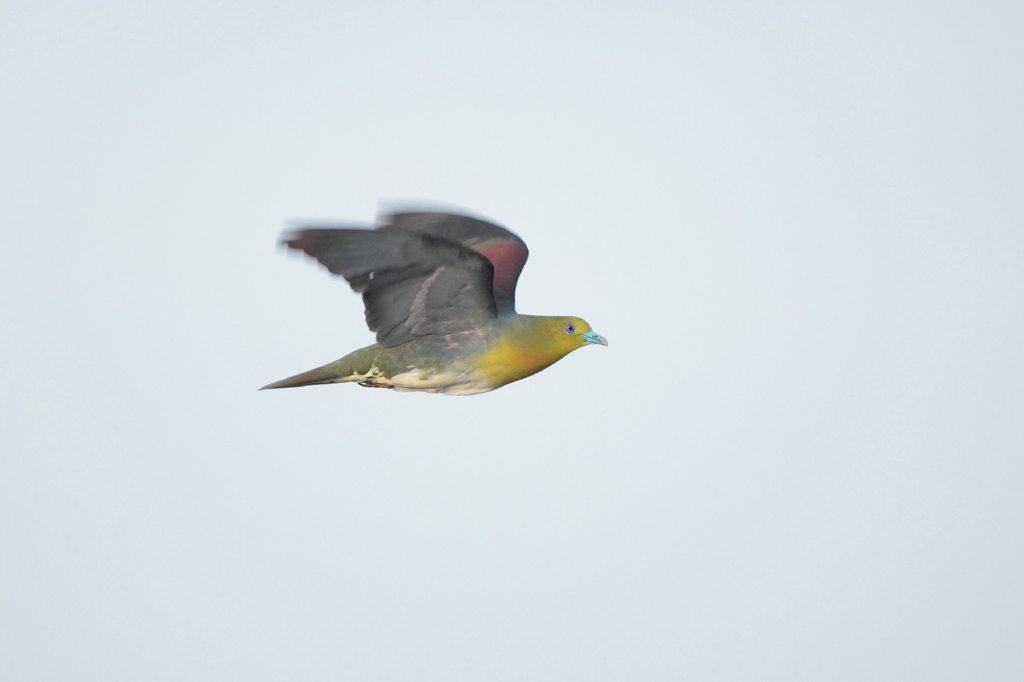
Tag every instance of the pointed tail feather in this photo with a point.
(353, 367)
(328, 374)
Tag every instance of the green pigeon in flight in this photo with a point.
(439, 291)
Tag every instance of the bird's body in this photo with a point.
(439, 290)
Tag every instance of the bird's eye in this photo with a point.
(569, 328)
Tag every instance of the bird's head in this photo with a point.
(566, 334)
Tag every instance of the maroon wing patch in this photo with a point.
(508, 258)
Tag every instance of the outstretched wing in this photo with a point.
(413, 283)
(506, 252)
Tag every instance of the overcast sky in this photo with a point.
(800, 227)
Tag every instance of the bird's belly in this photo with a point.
(452, 382)
(466, 383)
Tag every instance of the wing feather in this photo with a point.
(506, 251)
(413, 284)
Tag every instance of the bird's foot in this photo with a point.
(375, 384)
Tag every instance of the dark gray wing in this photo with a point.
(412, 284)
(506, 251)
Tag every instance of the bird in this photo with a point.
(439, 291)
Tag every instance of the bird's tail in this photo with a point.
(353, 367)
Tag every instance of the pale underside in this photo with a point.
(456, 382)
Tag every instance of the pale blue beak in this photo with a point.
(594, 337)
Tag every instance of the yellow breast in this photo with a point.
(509, 361)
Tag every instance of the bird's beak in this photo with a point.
(594, 337)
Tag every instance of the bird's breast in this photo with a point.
(509, 361)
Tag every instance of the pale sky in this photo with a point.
(800, 457)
